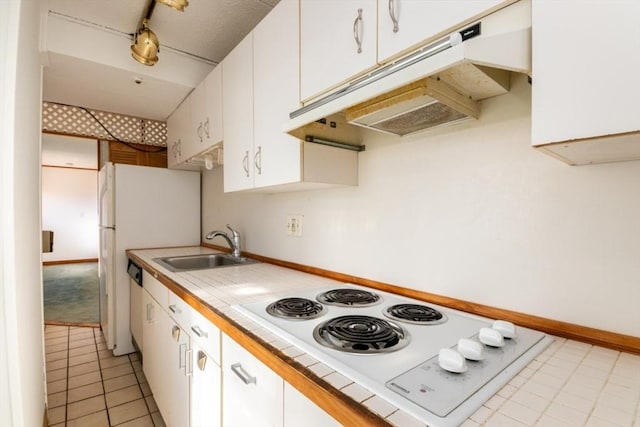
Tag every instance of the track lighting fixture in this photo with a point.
(176, 4)
(145, 46)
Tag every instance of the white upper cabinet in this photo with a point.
(586, 57)
(199, 121)
(260, 88)
(405, 24)
(178, 127)
(237, 105)
(338, 41)
(276, 47)
(213, 105)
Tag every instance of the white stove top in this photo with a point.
(410, 377)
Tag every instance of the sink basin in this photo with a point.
(201, 262)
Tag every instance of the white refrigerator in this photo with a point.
(140, 207)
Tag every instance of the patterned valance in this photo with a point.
(80, 121)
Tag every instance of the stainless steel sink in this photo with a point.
(201, 262)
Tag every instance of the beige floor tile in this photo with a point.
(157, 419)
(120, 382)
(50, 357)
(74, 330)
(83, 358)
(98, 419)
(114, 361)
(123, 395)
(78, 334)
(137, 365)
(58, 374)
(84, 392)
(146, 390)
(84, 368)
(85, 407)
(57, 399)
(84, 379)
(56, 364)
(101, 346)
(77, 351)
(141, 377)
(145, 421)
(56, 415)
(52, 348)
(117, 371)
(128, 411)
(134, 356)
(151, 404)
(55, 341)
(57, 386)
(81, 343)
(105, 354)
(57, 425)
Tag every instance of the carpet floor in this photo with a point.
(71, 294)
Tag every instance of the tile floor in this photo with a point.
(88, 386)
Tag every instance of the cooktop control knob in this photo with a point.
(491, 337)
(470, 349)
(452, 361)
(507, 329)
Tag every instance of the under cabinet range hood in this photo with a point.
(437, 85)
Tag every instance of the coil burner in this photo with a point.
(296, 309)
(361, 334)
(415, 313)
(349, 298)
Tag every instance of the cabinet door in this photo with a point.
(251, 392)
(418, 21)
(300, 411)
(173, 397)
(205, 389)
(585, 80)
(178, 126)
(237, 105)
(152, 341)
(196, 139)
(329, 35)
(276, 158)
(213, 98)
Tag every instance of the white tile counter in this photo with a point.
(569, 384)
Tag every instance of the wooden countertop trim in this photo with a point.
(613, 340)
(340, 406)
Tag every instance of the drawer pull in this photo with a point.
(174, 309)
(175, 333)
(242, 374)
(199, 332)
(202, 360)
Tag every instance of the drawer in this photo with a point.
(157, 290)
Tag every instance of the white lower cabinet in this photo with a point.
(300, 411)
(182, 372)
(252, 394)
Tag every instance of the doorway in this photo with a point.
(70, 219)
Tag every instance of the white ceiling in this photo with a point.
(88, 62)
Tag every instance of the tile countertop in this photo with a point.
(570, 384)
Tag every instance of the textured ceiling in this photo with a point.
(88, 62)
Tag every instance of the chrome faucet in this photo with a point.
(233, 241)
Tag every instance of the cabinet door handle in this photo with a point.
(257, 160)
(202, 360)
(199, 332)
(200, 132)
(174, 309)
(357, 30)
(175, 333)
(179, 148)
(392, 14)
(182, 353)
(206, 128)
(149, 312)
(189, 358)
(245, 163)
(242, 374)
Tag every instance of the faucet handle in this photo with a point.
(234, 233)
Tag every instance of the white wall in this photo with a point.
(471, 212)
(21, 342)
(70, 210)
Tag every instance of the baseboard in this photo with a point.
(70, 261)
(558, 328)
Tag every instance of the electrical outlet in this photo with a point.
(294, 225)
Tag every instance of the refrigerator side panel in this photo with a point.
(106, 271)
(154, 207)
